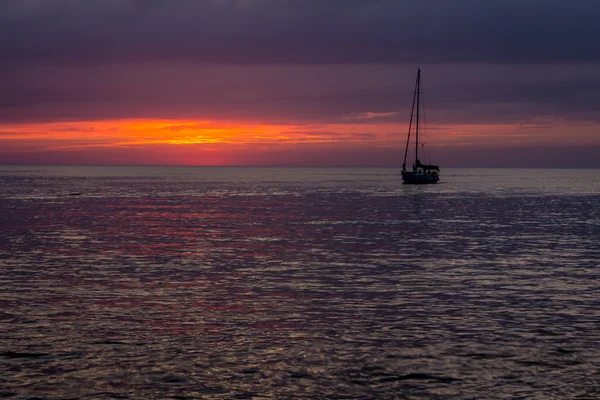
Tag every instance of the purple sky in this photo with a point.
(503, 64)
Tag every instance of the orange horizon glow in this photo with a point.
(139, 133)
(132, 132)
(208, 142)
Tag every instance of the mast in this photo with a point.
(412, 111)
(418, 91)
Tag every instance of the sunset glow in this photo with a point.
(295, 83)
(208, 142)
(131, 133)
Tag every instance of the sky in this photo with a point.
(506, 83)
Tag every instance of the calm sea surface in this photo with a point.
(298, 283)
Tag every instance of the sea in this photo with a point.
(298, 283)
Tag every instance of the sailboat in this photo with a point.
(421, 173)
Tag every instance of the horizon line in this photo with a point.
(273, 166)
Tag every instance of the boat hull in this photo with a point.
(415, 178)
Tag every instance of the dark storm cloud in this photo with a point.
(299, 31)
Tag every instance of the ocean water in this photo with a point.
(298, 283)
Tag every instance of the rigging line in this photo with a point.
(424, 108)
(417, 125)
(410, 124)
(424, 127)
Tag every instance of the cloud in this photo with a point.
(300, 94)
(301, 32)
(301, 62)
(370, 115)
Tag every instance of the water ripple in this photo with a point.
(296, 283)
